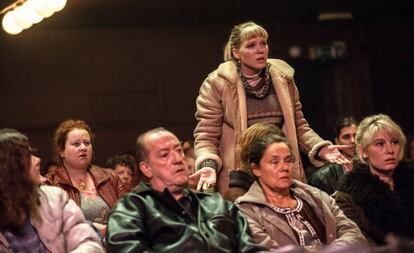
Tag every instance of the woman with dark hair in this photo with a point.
(94, 189)
(242, 178)
(378, 193)
(33, 218)
(283, 211)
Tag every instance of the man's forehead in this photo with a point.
(161, 140)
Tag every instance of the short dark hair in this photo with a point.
(124, 160)
(259, 145)
(344, 122)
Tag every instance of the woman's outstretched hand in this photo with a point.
(330, 153)
(203, 179)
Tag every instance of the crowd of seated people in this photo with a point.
(263, 210)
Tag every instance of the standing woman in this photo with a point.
(378, 193)
(93, 188)
(36, 218)
(249, 88)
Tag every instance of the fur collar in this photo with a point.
(389, 210)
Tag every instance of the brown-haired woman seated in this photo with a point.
(94, 189)
(379, 194)
(282, 211)
(32, 218)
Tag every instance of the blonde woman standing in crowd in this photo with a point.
(249, 88)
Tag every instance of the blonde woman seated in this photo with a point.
(282, 211)
(379, 194)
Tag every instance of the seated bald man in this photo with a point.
(166, 216)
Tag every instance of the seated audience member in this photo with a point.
(188, 148)
(36, 218)
(50, 167)
(241, 178)
(410, 148)
(378, 193)
(283, 211)
(165, 216)
(93, 188)
(327, 177)
(124, 165)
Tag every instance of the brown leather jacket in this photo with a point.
(107, 183)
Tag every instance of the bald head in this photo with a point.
(142, 142)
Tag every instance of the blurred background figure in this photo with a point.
(33, 218)
(410, 148)
(378, 193)
(94, 189)
(124, 165)
(188, 149)
(327, 177)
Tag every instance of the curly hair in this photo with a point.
(18, 194)
(61, 135)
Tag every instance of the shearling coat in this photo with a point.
(222, 117)
(271, 231)
(62, 227)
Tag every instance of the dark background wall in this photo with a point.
(126, 66)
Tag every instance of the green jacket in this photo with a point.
(145, 220)
(327, 177)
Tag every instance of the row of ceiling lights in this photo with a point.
(23, 14)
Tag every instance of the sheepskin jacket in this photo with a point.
(222, 117)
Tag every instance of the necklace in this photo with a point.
(82, 185)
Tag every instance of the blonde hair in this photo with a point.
(249, 135)
(240, 33)
(370, 126)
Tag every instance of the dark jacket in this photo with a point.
(107, 184)
(327, 177)
(376, 208)
(145, 220)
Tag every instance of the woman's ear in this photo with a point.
(362, 155)
(60, 153)
(255, 170)
(235, 53)
(146, 169)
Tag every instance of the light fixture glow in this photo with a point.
(41, 7)
(56, 5)
(9, 25)
(30, 13)
(20, 17)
